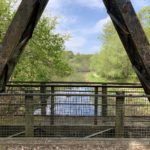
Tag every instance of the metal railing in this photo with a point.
(63, 109)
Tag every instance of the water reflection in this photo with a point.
(71, 105)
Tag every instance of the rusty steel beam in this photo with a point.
(133, 38)
(17, 36)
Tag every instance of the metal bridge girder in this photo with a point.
(122, 14)
(17, 36)
(133, 38)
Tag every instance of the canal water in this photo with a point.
(71, 105)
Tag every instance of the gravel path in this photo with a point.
(74, 144)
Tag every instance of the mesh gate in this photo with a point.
(74, 110)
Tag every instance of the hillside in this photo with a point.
(80, 64)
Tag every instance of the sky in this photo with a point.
(83, 20)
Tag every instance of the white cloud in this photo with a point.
(55, 5)
(94, 49)
(91, 3)
(65, 21)
(16, 4)
(79, 40)
(140, 3)
(99, 26)
(56, 8)
(76, 43)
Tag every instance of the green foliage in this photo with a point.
(144, 16)
(5, 17)
(80, 65)
(111, 63)
(43, 57)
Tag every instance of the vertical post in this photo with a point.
(96, 106)
(29, 118)
(119, 124)
(104, 100)
(52, 105)
(43, 99)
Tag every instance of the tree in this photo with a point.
(111, 63)
(144, 16)
(80, 66)
(5, 17)
(43, 57)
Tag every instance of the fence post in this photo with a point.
(104, 100)
(95, 105)
(119, 124)
(43, 99)
(29, 118)
(52, 105)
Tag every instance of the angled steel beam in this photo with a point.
(133, 38)
(17, 36)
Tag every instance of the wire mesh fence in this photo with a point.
(74, 110)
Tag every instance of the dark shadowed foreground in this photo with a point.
(74, 144)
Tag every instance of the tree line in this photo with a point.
(111, 63)
(43, 57)
(46, 58)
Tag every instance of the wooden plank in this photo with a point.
(16, 134)
(17, 36)
(43, 99)
(104, 100)
(19, 133)
(29, 118)
(96, 106)
(119, 123)
(133, 38)
(52, 106)
(98, 133)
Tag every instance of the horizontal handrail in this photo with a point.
(50, 94)
(74, 85)
(63, 82)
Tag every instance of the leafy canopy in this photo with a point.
(111, 63)
(43, 57)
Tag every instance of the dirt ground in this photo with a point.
(74, 144)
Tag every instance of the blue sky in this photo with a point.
(83, 20)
